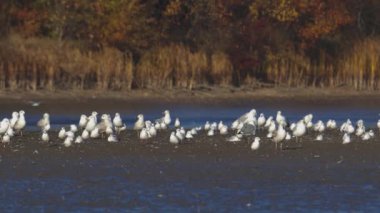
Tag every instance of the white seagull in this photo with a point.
(173, 138)
(255, 144)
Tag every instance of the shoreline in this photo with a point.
(279, 98)
(199, 93)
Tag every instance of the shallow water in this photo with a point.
(189, 183)
(193, 182)
(191, 116)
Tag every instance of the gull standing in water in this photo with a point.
(248, 128)
(280, 119)
(151, 129)
(189, 135)
(177, 123)
(249, 116)
(346, 138)
(21, 122)
(347, 127)
(173, 138)
(319, 137)
(95, 133)
(288, 136)
(62, 133)
(4, 125)
(70, 134)
(118, 123)
(92, 122)
(279, 136)
(14, 119)
(166, 119)
(331, 124)
(207, 126)
(223, 130)
(103, 124)
(308, 120)
(139, 124)
(299, 130)
(320, 128)
(271, 129)
(255, 144)
(85, 134)
(45, 137)
(78, 139)
(235, 138)
(268, 122)
(73, 128)
(179, 134)
(144, 134)
(210, 132)
(112, 139)
(83, 121)
(220, 125)
(68, 141)
(44, 122)
(6, 138)
(10, 131)
(360, 130)
(261, 121)
(366, 136)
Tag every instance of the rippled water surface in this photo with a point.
(147, 184)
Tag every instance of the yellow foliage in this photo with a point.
(173, 8)
(280, 10)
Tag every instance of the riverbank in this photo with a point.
(199, 93)
(108, 101)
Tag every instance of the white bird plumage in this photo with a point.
(255, 144)
(45, 137)
(173, 138)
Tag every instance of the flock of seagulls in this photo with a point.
(10, 127)
(276, 128)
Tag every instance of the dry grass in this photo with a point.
(357, 68)
(32, 64)
(171, 66)
(221, 69)
(360, 68)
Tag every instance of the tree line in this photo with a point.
(127, 44)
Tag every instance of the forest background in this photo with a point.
(149, 44)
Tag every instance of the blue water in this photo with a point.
(195, 116)
(192, 185)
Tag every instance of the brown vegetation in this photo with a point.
(32, 64)
(120, 45)
(358, 68)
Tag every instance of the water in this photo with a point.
(144, 183)
(196, 116)
(183, 185)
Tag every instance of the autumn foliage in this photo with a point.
(118, 45)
